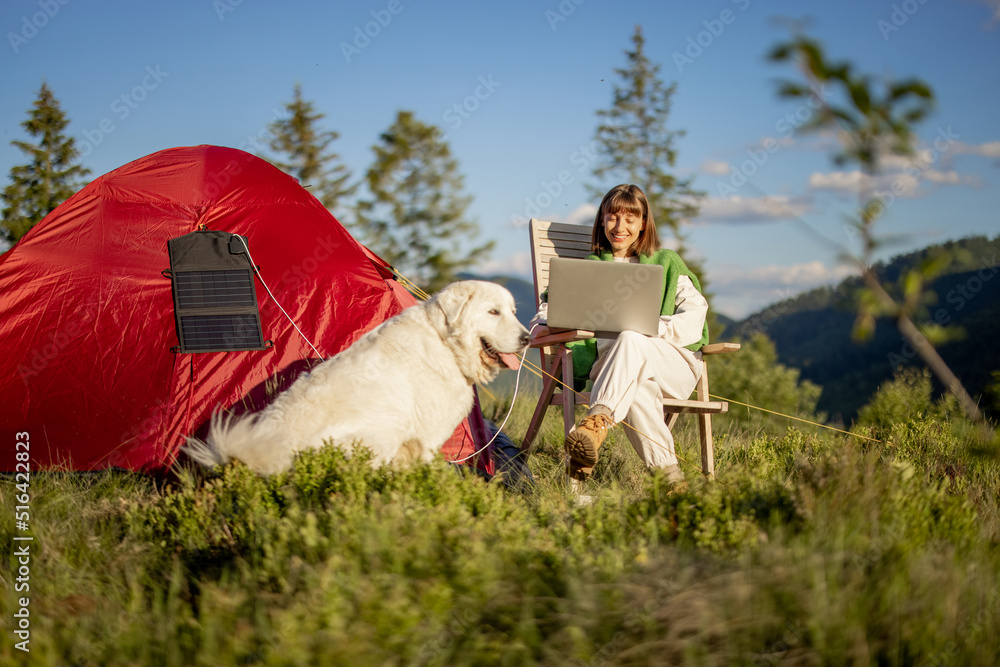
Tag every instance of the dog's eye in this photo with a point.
(494, 311)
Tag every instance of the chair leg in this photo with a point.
(705, 428)
(569, 396)
(549, 383)
(707, 448)
(671, 420)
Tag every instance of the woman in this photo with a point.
(632, 372)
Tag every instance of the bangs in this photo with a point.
(624, 202)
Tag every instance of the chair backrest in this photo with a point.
(555, 239)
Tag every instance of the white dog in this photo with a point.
(400, 390)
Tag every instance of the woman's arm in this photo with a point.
(542, 316)
(687, 324)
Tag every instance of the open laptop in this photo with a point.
(604, 297)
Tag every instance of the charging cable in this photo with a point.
(257, 271)
(517, 382)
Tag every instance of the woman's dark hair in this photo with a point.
(629, 200)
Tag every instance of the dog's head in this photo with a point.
(476, 320)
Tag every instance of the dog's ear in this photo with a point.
(452, 300)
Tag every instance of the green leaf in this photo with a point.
(860, 96)
(790, 89)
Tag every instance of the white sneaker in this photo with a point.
(581, 499)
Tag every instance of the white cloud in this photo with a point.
(839, 181)
(893, 161)
(805, 275)
(899, 184)
(715, 167)
(989, 149)
(752, 209)
(951, 177)
(903, 181)
(740, 291)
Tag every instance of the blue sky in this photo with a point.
(527, 79)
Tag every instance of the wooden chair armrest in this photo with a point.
(543, 336)
(719, 348)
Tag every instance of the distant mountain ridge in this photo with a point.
(812, 331)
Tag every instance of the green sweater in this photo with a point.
(585, 351)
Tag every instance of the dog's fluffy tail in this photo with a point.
(210, 453)
(230, 437)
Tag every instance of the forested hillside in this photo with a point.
(812, 332)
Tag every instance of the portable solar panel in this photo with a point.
(215, 303)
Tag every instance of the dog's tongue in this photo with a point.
(512, 361)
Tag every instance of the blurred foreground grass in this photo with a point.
(808, 549)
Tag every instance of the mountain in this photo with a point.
(812, 332)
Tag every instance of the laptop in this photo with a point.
(604, 297)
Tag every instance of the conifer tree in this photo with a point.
(635, 145)
(303, 152)
(416, 216)
(50, 177)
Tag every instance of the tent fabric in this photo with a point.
(87, 319)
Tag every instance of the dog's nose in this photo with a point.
(525, 339)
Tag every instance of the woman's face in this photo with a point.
(623, 230)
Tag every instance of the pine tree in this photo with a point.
(303, 147)
(635, 145)
(50, 178)
(416, 218)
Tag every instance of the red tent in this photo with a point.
(91, 367)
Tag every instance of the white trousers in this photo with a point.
(631, 376)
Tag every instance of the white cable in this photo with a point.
(257, 271)
(517, 382)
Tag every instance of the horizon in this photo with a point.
(515, 90)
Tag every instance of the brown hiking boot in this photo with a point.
(584, 441)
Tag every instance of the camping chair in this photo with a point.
(558, 239)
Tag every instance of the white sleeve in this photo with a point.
(541, 317)
(687, 324)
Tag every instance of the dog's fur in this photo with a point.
(400, 390)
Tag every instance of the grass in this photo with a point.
(808, 549)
